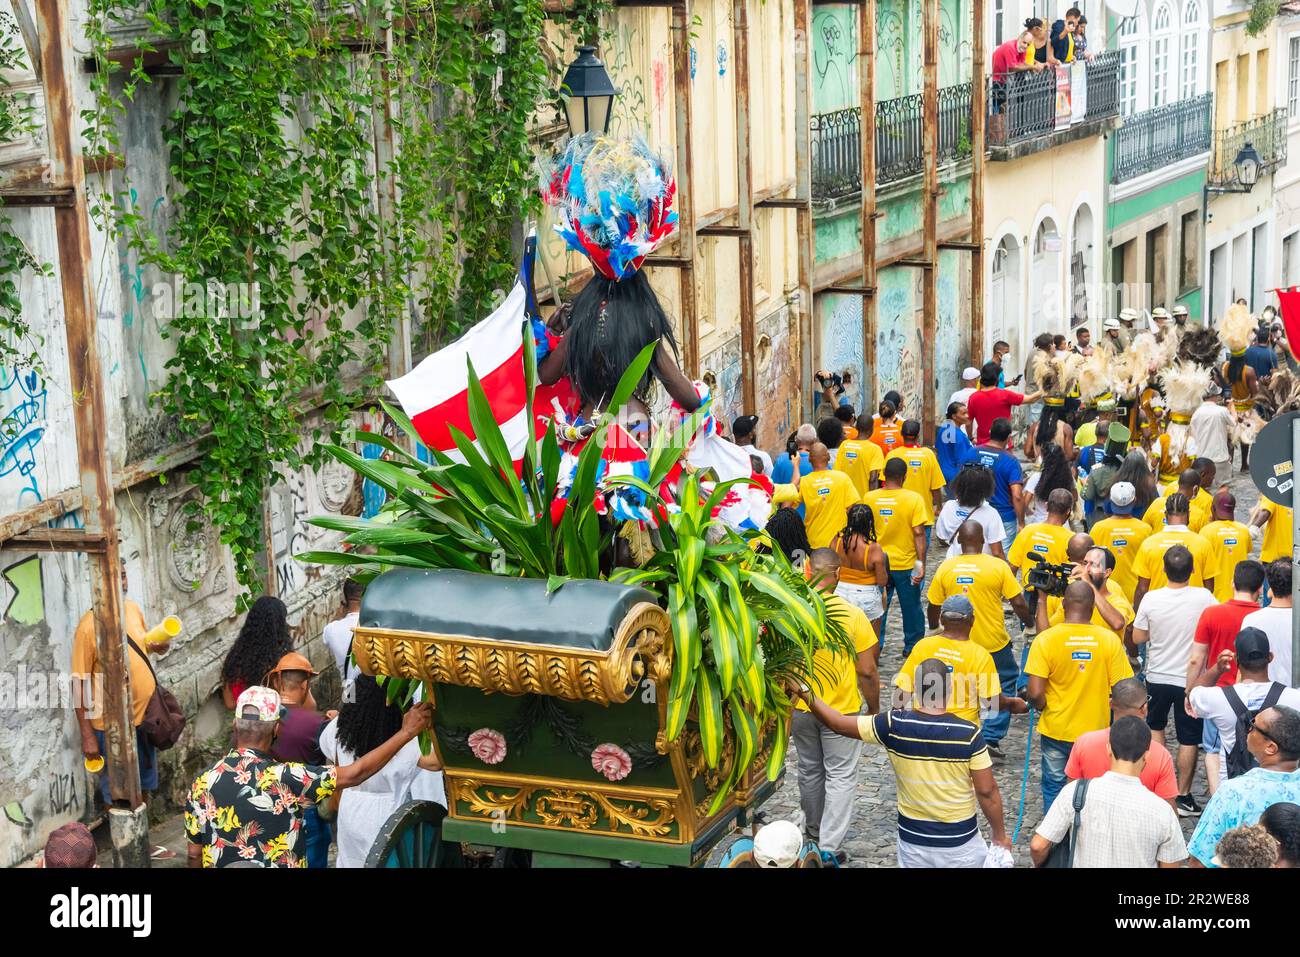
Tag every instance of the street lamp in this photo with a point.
(1247, 164)
(588, 93)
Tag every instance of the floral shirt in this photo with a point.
(248, 806)
(1241, 800)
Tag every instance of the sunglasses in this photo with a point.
(1252, 726)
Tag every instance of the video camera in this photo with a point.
(1048, 578)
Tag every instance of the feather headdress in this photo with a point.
(1094, 374)
(1131, 369)
(1236, 329)
(1040, 372)
(1200, 346)
(1065, 370)
(613, 199)
(1185, 385)
(1279, 392)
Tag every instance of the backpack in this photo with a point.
(1062, 854)
(1239, 759)
(163, 718)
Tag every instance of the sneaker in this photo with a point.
(995, 751)
(1187, 806)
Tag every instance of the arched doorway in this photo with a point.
(1004, 297)
(1045, 292)
(1082, 267)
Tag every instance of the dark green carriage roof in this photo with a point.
(582, 613)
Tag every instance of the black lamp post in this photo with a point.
(588, 93)
(1247, 164)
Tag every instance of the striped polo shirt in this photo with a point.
(933, 756)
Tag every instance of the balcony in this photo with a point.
(1161, 137)
(1267, 134)
(900, 147)
(1031, 112)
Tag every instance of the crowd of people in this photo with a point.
(1145, 598)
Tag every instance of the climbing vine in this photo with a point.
(292, 279)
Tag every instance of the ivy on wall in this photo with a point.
(275, 202)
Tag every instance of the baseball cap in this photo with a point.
(293, 661)
(958, 606)
(1122, 495)
(777, 845)
(969, 374)
(744, 424)
(264, 703)
(1110, 324)
(71, 845)
(1252, 646)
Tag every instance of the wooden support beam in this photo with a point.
(781, 203)
(979, 140)
(930, 208)
(31, 40)
(734, 232)
(59, 540)
(21, 196)
(865, 291)
(960, 245)
(805, 234)
(682, 115)
(867, 122)
(913, 262)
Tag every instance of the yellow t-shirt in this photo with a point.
(842, 693)
(1276, 540)
(1123, 535)
(1232, 542)
(1049, 541)
(1081, 664)
(897, 511)
(986, 581)
(1056, 610)
(923, 475)
(860, 459)
(1150, 561)
(85, 661)
(1199, 513)
(826, 497)
(974, 675)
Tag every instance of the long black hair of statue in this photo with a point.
(610, 324)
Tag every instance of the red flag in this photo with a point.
(1289, 305)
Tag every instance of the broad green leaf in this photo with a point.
(726, 656)
(690, 556)
(780, 744)
(708, 709)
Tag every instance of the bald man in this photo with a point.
(1072, 668)
(825, 494)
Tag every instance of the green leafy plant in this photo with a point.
(1262, 13)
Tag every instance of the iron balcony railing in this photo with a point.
(1266, 133)
(1023, 105)
(900, 146)
(1163, 136)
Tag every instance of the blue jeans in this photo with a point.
(1265, 599)
(317, 836)
(996, 725)
(1009, 532)
(146, 756)
(909, 597)
(1055, 755)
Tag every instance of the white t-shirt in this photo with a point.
(1212, 704)
(338, 639)
(961, 395)
(364, 808)
(1038, 511)
(1276, 623)
(1211, 429)
(1169, 616)
(762, 457)
(951, 517)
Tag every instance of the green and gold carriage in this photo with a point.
(549, 720)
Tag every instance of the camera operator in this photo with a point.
(1093, 565)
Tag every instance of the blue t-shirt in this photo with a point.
(783, 472)
(1261, 359)
(953, 450)
(1006, 472)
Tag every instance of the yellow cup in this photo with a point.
(164, 631)
(94, 765)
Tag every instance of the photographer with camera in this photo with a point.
(1072, 668)
(1046, 541)
(1087, 563)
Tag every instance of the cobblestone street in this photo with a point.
(871, 837)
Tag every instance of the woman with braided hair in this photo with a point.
(864, 569)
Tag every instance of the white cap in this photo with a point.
(969, 373)
(1122, 494)
(1110, 324)
(777, 845)
(1159, 312)
(1128, 315)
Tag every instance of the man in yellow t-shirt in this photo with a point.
(1072, 667)
(140, 687)
(1095, 565)
(1231, 540)
(861, 459)
(1046, 539)
(1189, 484)
(900, 530)
(826, 496)
(1276, 522)
(1150, 564)
(1123, 534)
(924, 476)
(828, 763)
(986, 581)
(975, 684)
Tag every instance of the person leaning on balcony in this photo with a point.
(1063, 36)
(1081, 51)
(1039, 55)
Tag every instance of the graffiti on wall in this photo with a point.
(834, 49)
(630, 114)
(22, 429)
(842, 338)
(27, 603)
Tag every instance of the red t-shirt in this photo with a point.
(1089, 759)
(1004, 58)
(1218, 628)
(985, 405)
